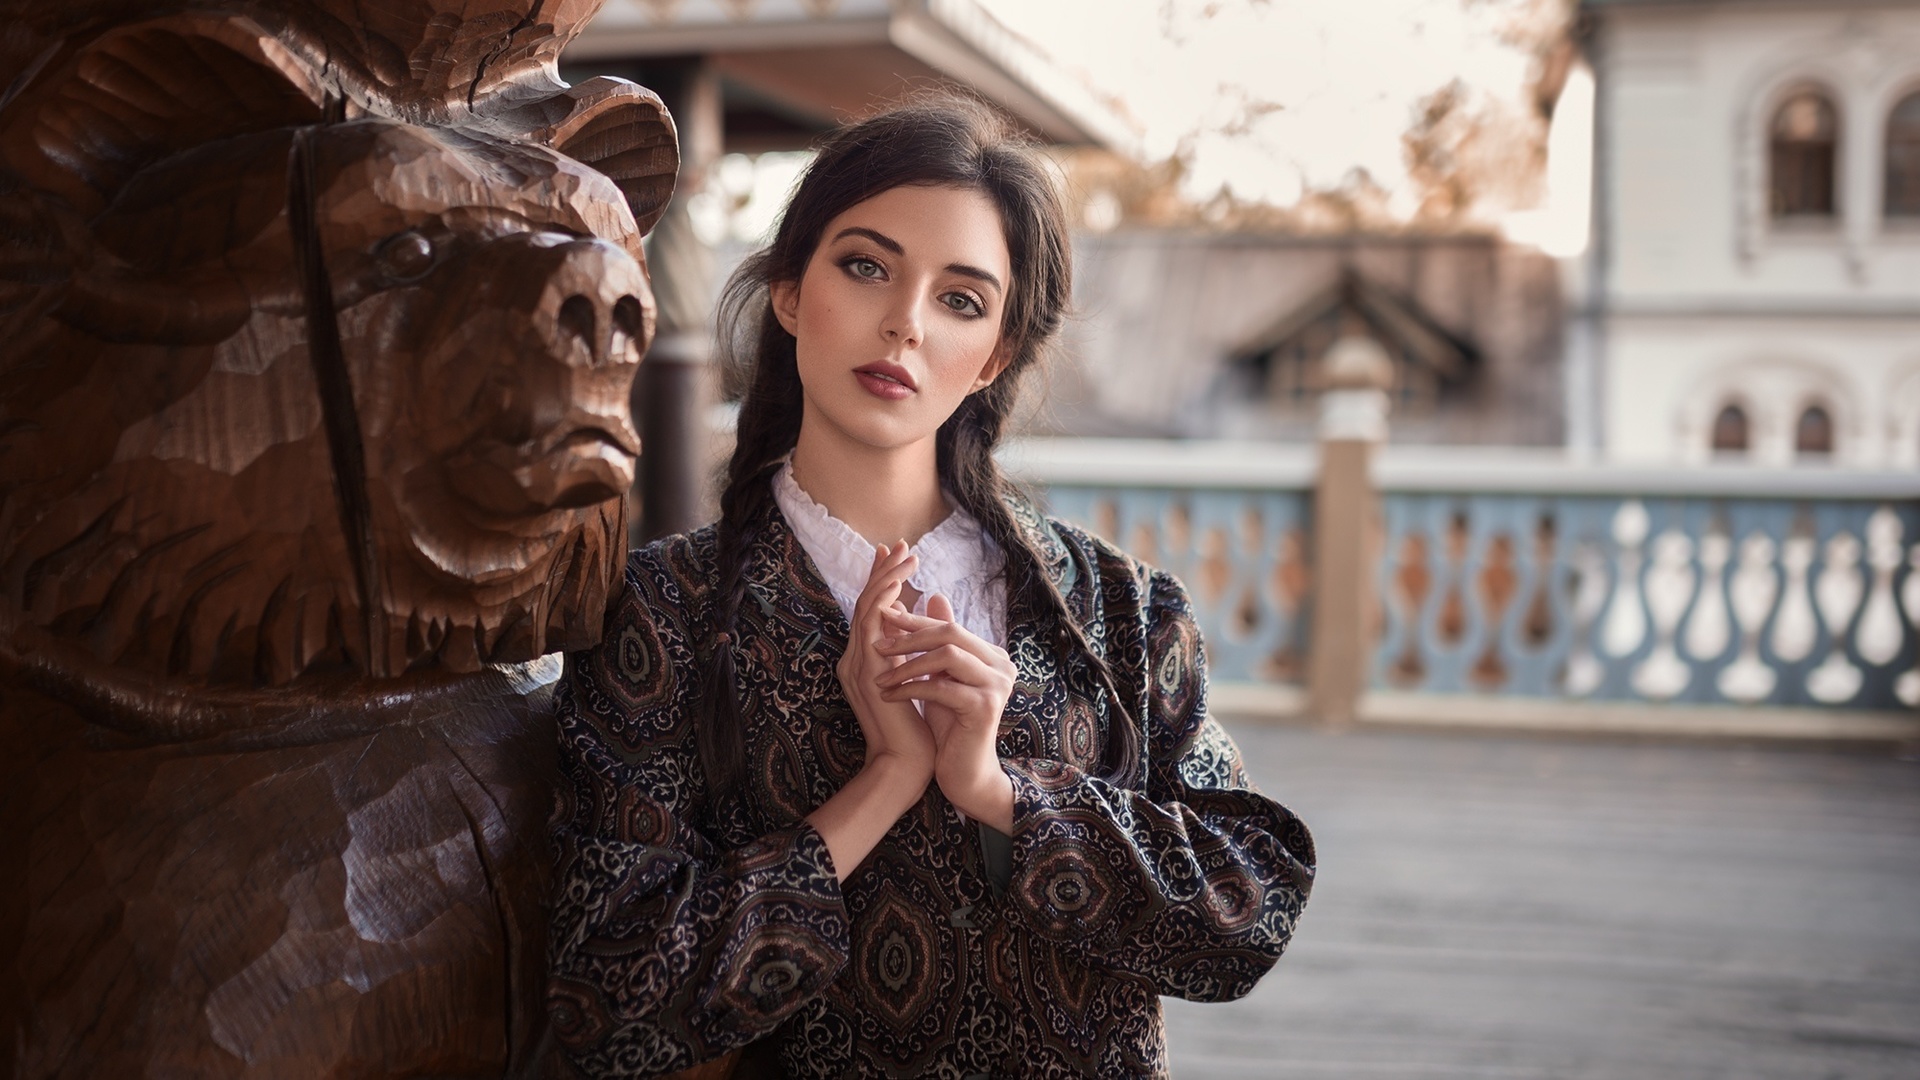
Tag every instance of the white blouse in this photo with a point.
(958, 560)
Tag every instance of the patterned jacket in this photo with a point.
(682, 930)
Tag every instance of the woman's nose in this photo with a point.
(904, 321)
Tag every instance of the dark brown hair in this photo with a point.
(936, 142)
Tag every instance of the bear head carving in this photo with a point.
(308, 371)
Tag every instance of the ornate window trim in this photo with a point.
(1744, 412)
(1897, 93)
(1753, 155)
(1804, 411)
(1797, 193)
(1773, 392)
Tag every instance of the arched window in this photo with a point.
(1804, 135)
(1730, 431)
(1903, 158)
(1814, 433)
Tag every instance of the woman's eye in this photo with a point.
(964, 304)
(865, 268)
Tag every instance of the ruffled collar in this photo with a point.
(957, 560)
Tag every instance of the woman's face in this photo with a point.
(897, 315)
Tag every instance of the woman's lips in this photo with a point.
(886, 381)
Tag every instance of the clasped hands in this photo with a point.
(895, 658)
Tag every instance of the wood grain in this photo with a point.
(318, 324)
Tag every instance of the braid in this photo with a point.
(971, 474)
(722, 747)
(768, 428)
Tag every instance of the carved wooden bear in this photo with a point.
(317, 329)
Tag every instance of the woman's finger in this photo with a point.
(883, 584)
(939, 607)
(947, 634)
(964, 700)
(949, 661)
(932, 638)
(908, 620)
(892, 563)
(887, 561)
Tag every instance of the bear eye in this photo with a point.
(405, 256)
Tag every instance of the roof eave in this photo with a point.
(956, 38)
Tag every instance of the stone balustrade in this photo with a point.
(1523, 575)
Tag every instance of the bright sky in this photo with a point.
(1268, 97)
(1345, 75)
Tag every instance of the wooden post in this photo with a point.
(670, 403)
(676, 385)
(1353, 420)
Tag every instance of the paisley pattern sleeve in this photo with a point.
(1192, 884)
(666, 949)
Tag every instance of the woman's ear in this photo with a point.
(997, 363)
(785, 296)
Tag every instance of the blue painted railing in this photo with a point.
(1531, 577)
(1241, 554)
(1695, 599)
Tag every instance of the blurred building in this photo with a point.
(1205, 334)
(1751, 292)
(1755, 290)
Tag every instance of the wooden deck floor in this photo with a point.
(1556, 907)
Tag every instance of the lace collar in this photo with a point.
(957, 560)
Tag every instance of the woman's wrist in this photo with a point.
(981, 790)
(897, 777)
(855, 819)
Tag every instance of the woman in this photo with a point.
(885, 769)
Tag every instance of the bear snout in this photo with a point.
(548, 422)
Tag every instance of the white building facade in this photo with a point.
(1755, 270)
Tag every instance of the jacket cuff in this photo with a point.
(791, 938)
(1067, 874)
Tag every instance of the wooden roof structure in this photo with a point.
(1397, 322)
(791, 69)
(1170, 328)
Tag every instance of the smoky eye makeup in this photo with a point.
(859, 264)
(972, 308)
(862, 267)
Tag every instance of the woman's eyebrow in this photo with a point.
(977, 274)
(880, 238)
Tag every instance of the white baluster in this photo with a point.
(1837, 592)
(1707, 628)
(1584, 669)
(1793, 628)
(1754, 588)
(1625, 624)
(1670, 583)
(1907, 686)
(1878, 639)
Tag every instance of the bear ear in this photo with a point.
(622, 130)
(96, 114)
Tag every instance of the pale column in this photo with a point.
(1353, 420)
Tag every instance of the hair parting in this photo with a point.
(944, 141)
